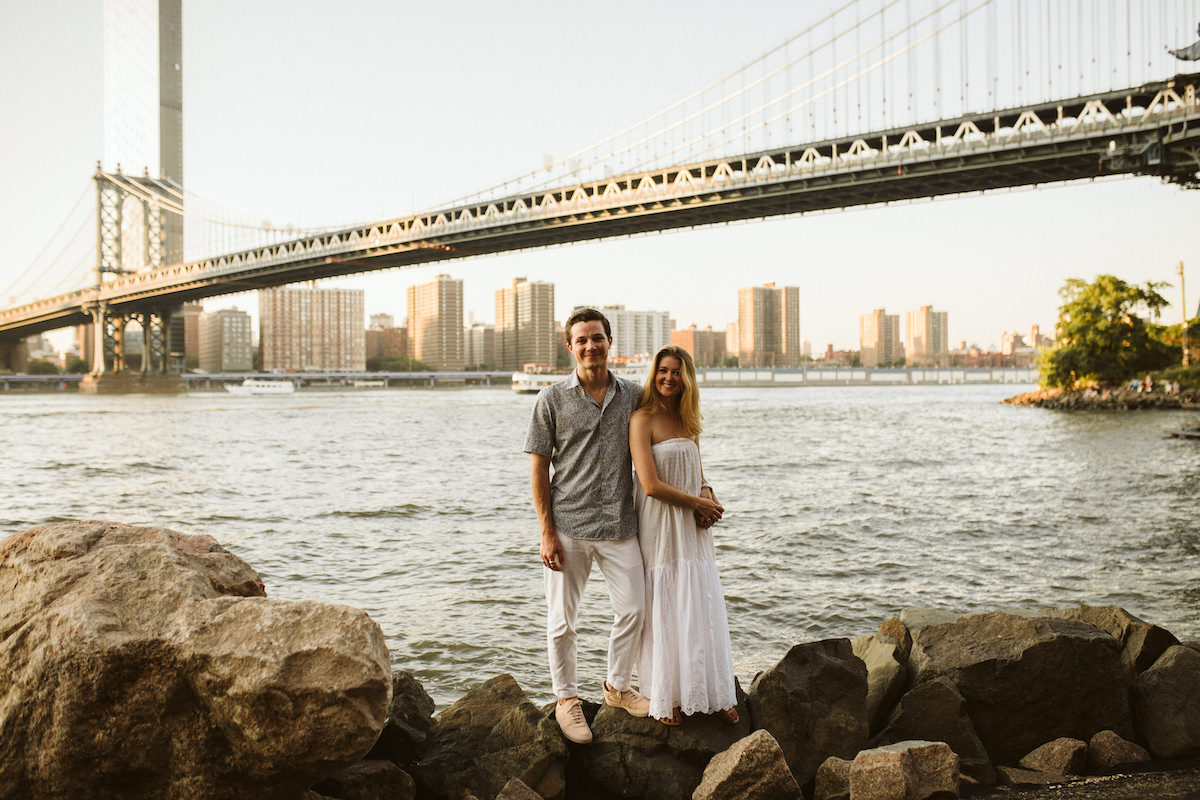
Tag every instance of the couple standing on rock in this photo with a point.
(668, 605)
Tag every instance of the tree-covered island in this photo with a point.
(1111, 350)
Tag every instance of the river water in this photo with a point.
(843, 506)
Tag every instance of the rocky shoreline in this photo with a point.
(1110, 399)
(139, 662)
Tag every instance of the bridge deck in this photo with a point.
(1150, 129)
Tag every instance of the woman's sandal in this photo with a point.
(730, 715)
(672, 721)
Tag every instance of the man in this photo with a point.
(585, 510)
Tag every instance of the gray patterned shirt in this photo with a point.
(591, 486)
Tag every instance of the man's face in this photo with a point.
(589, 344)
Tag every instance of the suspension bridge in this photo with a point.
(862, 100)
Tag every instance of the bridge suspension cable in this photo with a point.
(34, 279)
(876, 64)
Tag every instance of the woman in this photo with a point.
(685, 663)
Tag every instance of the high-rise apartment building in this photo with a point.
(769, 326)
(637, 333)
(381, 321)
(707, 347)
(224, 341)
(435, 323)
(879, 338)
(926, 340)
(385, 342)
(524, 331)
(305, 329)
(481, 346)
(191, 313)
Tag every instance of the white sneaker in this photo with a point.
(633, 701)
(572, 722)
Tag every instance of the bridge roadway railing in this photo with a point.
(1150, 129)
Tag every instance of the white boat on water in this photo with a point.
(261, 386)
(533, 381)
(536, 377)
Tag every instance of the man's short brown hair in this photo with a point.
(587, 315)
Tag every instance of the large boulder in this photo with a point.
(936, 711)
(491, 735)
(410, 716)
(635, 757)
(369, 780)
(141, 662)
(886, 676)
(1026, 680)
(1167, 703)
(833, 779)
(1107, 751)
(751, 767)
(905, 771)
(814, 702)
(1063, 756)
(1141, 642)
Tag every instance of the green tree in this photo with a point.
(76, 366)
(1105, 333)
(40, 366)
(396, 364)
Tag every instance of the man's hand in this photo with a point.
(552, 552)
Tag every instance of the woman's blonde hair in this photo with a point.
(689, 398)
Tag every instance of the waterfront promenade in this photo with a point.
(711, 376)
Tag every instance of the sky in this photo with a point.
(315, 114)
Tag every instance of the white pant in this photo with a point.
(621, 564)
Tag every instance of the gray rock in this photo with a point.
(1107, 751)
(833, 779)
(491, 735)
(369, 780)
(1063, 756)
(886, 676)
(141, 662)
(905, 771)
(1028, 681)
(814, 702)
(914, 619)
(751, 767)
(517, 790)
(410, 716)
(1012, 776)
(936, 711)
(634, 758)
(1167, 704)
(1141, 642)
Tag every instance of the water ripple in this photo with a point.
(843, 506)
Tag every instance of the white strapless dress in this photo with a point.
(685, 660)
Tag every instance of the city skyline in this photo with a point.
(996, 261)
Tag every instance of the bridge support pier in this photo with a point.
(14, 355)
(110, 374)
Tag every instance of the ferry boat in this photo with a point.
(535, 377)
(261, 386)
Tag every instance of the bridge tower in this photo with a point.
(143, 117)
(118, 196)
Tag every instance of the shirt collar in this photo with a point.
(573, 381)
